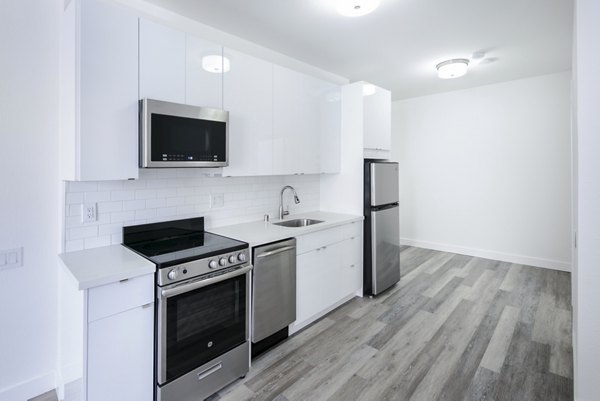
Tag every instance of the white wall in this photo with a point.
(486, 171)
(587, 114)
(29, 198)
(171, 194)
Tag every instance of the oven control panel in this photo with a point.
(200, 267)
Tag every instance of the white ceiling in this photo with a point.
(399, 44)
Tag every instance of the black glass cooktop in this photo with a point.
(178, 241)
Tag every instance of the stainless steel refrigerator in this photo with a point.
(382, 227)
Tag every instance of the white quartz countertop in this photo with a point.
(105, 265)
(258, 232)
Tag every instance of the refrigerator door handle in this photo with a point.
(384, 207)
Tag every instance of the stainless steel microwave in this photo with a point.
(180, 135)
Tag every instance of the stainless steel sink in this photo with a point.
(298, 223)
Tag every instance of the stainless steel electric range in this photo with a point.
(202, 308)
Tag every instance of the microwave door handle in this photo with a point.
(194, 285)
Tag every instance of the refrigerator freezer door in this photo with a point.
(384, 183)
(385, 245)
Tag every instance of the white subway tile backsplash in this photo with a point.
(178, 201)
(109, 229)
(169, 194)
(134, 205)
(109, 207)
(145, 194)
(75, 245)
(110, 185)
(82, 232)
(73, 198)
(166, 192)
(145, 214)
(74, 210)
(116, 238)
(156, 203)
(96, 242)
(122, 195)
(134, 184)
(166, 212)
(82, 186)
(122, 216)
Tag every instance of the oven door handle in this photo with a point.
(171, 292)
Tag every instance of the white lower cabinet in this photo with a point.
(107, 341)
(120, 356)
(329, 271)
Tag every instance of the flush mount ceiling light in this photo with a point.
(356, 8)
(368, 89)
(452, 68)
(215, 63)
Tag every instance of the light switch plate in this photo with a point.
(10, 258)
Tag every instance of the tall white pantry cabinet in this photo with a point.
(99, 92)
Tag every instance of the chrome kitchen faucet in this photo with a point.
(282, 212)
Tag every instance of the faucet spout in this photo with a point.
(282, 212)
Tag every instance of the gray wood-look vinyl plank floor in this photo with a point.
(455, 328)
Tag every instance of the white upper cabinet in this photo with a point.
(204, 73)
(377, 108)
(99, 95)
(162, 62)
(306, 123)
(296, 122)
(330, 129)
(248, 96)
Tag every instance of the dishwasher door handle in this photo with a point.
(276, 251)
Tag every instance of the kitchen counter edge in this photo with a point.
(258, 232)
(105, 265)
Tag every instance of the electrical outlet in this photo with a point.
(10, 258)
(217, 200)
(88, 212)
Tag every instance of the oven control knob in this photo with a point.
(172, 275)
(242, 257)
(223, 262)
(232, 259)
(212, 264)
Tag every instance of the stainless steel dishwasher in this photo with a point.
(273, 293)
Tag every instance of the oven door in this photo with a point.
(200, 320)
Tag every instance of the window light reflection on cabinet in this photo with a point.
(368, 89)
(215, 63)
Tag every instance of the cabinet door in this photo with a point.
(162, 62)
(378, 119)
(108, 119)
(248, 96)
(330, 129)
(351, 265)
(120, 356)
(296, 122)
(313, 283)
(204, 73)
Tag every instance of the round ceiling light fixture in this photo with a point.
(215, 63)
(454, 68)
(356, 8)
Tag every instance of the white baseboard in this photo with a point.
(28, 389)
(487, 254)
